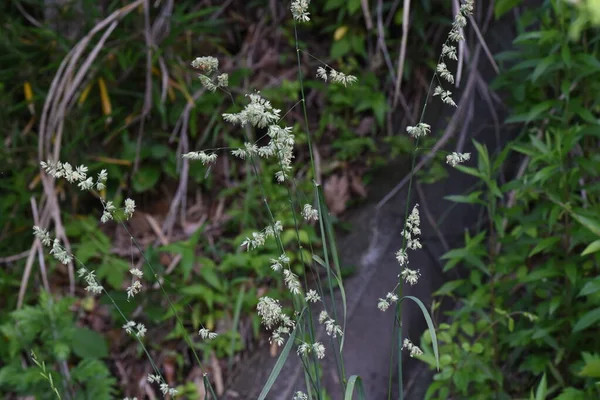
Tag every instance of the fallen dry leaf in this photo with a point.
(337, 193)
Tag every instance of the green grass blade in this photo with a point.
(354, 381)
(208, 388)
(279, 365)
(430, 327)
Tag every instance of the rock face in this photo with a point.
(375, 237)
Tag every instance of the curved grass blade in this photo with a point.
(280, 362)
(430, 327)
(354, 380)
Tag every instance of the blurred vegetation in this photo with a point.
(529, 305)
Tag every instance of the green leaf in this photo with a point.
(544, 244)
(591, 368)
(280, 362)
(88, 344)
(542, 389)
(354, 380)
(590, 287)
(472, 198)
(146, 178)
(588, 319)
(591, 248)
(449, 287)
(501, 7)
(430, 327)
(591, 224)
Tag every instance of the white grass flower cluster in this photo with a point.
(59, 252)
(305, 349)
(299, 10)
(309, 213)
(278, 263)
(335, 76)
(312, 296)
(331, 328)
(422, 129)
(202, 156)
(90, 278)
(449, 51)
(272, 315)
(445, 95)
(207, 334)
(131, 327)
(79, 175)
(136, 284)
(414, 350)
(411, 229)
(457, 158)
(208, 65)
(258, 238)
(384, 304)
(300, 396)
(164, 388)
(291, 281)
(258, 113)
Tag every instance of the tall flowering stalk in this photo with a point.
(411, 231)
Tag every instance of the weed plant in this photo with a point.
(313, 301)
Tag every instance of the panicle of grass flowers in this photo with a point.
(300, 396)
(457, 158)
(309, 213)
(135, 288)
(336, 76)
(207, 83)
(207, 64)
(312, 296)
(305, 349)
(129, 208)
(107, 214)
(207, 334)
(101, 182)
(414, 350)
(277, 263)
(422, 129)
(164, 387)
(444, 72)
(330, 326)
(259, 113)
(449, 51)
(131, 327)
(202, 156)
(60, 253)
(445, 95)
(43, 235)
(384, 304)
(410, 276)
(291, 281)
(272, 315)
(90, 278)
(299, 10)
(222, 80)
(258, 238)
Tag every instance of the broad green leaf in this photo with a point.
(87, 343)
(591, 368)
(542, 389)
(592, 224)
(591, 248)
(590, 318)
(449, 287)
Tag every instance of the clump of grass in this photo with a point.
(299, 329)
